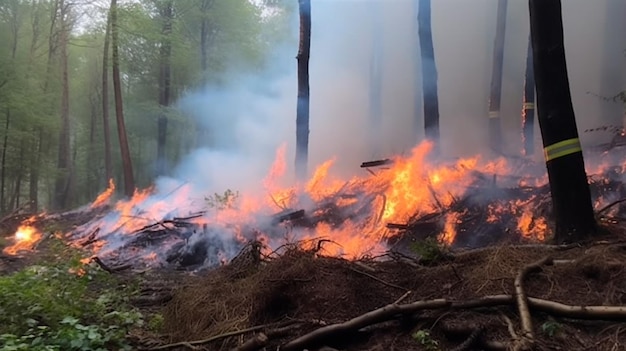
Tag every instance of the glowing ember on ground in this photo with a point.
(25, 237)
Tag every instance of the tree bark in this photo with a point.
(62, 184)
(571, 197)
(429, 74)
(495, 136)
(302, 112)
(129, 181)
(528, 108)
(108, 164)
(165, 77)
(204, 35)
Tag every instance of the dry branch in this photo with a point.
(392, 311)
(527, 337)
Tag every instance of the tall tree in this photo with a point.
(62, 189)
(528, 107)
(302, 113)
(495, 136)
(165, 79)
(108, 164)
(571, 197)
(129, 181)
(429, 74)
(376, 80)
(205, 34)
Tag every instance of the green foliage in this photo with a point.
(224, 201)
(424, 338)
(429, 249)
(55, 307)
(551, 328)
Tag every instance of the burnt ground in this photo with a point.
(296, 291)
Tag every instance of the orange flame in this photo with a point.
(25, 237)
(104, 197)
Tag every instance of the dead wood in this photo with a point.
(609, 206)
(107, 268)
(225, 335)
(254, 343)
(378, 279)
(394, 310)
(527, 337)
(376, 163)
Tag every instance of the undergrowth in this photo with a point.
(63, 304)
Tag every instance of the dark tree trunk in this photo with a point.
(528, 108)
(108, 164)
(376, 82)
(429, 74)
(302, 113)
(15, 198)
(564, 159)
(5, 144)
(495, 136)
(62, 184)
(33, 191)
(204, 35)
(165, 77)
(129, 181)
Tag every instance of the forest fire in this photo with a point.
(24, 238)
(467, 202)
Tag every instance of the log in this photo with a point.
(376, 163)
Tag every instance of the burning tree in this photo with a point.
(571, 197)
(528, 108)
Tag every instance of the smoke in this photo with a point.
(249, 114)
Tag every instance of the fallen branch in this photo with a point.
(220, 336)
(528, 336)
(393, 311)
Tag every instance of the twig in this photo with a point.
(378, 279)
(253, 344)
(401, 298)
(217, 337)
(607, 207)
(510, 327)
(528, 337)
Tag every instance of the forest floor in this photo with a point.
(455, 300)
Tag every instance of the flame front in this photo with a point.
(352, 214)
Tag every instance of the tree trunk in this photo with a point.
(429, 74)
(302, 113)
(108, 164)
(564, 159)
(528, 108)
(15, 199)
(33, 191)
(376, 82)
(204, 35)
(165, 77)
(495, 136)
(129, 182)
(5, 145)
(61, 188)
